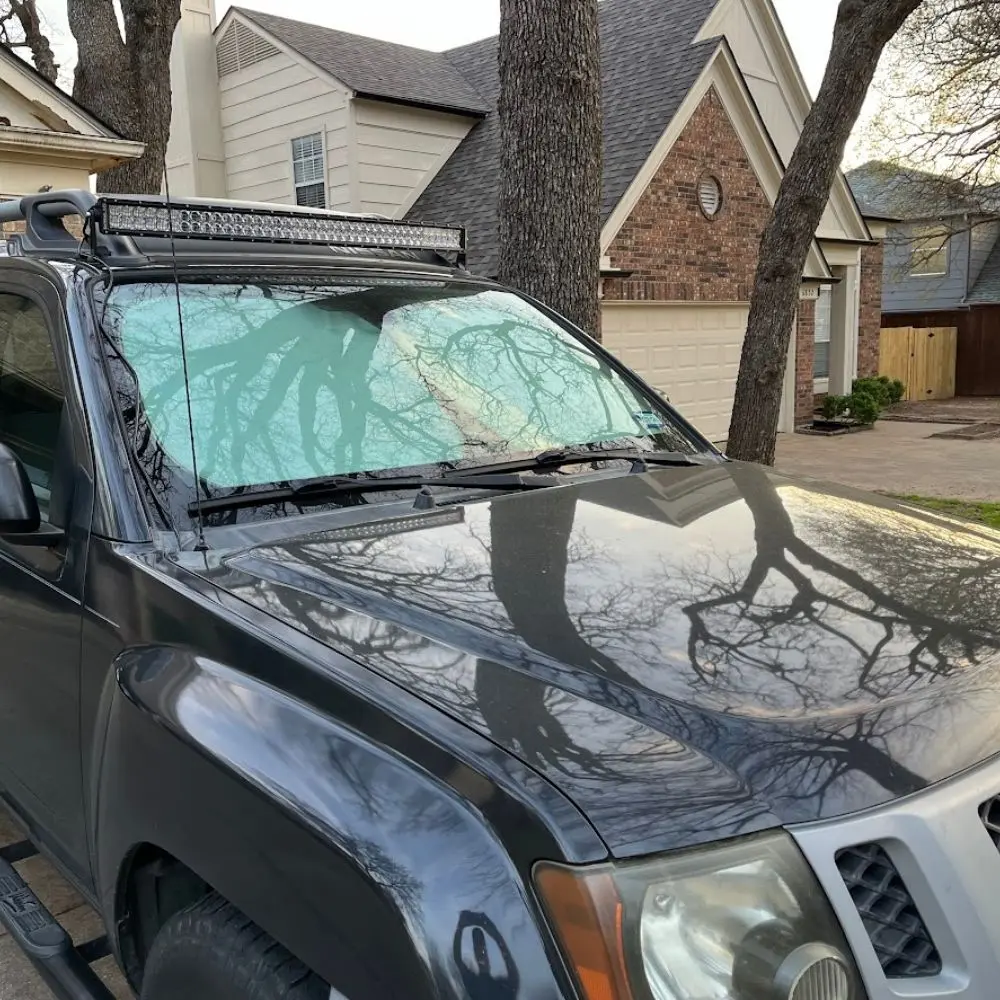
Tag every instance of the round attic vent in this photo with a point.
(710, 196)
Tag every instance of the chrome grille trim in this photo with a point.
(948, 858)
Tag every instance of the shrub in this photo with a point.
(886, 391)
(877, 388)
(897, 390)
(833, 406)
(864, 407)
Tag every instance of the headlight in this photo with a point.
(746, 921)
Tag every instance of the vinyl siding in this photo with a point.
(903, 292)
(398, 152)
(264, 107)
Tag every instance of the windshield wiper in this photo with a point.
(556, 457)
(324, 490)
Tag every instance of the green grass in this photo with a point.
(987, 513)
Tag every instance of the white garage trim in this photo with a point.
(690, 351)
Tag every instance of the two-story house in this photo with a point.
(703, 105)
(941, 262)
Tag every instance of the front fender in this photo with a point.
(381, 877)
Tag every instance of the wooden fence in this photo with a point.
(924, 359)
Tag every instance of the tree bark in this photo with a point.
(863, 29)
(550, 162)
(126, 82)
(26, 12)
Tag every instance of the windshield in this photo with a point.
(295, 380)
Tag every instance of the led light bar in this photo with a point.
(246, 224)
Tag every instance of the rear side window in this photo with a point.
(31, 391)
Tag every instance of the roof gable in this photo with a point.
(765, 58)
(46, 106)
(373, 68)
(722, 77)
(648, 65)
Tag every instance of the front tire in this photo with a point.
(211, 951)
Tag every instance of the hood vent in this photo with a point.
(989, 813)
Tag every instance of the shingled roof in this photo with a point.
(986, 290)
(372, 68)
(648, 65)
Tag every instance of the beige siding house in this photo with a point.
(47, 140)
(291, 131)
(703, 105)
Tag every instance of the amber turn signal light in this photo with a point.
(588, 917)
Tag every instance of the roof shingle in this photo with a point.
(648, 65)
(986, 290)
(373, 68)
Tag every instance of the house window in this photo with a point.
(824, 322)
(307, 162)
(929, 252)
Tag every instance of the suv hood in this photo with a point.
(689, 654)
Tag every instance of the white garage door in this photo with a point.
(692, 353)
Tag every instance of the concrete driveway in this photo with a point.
(17, 978)
(898, 457)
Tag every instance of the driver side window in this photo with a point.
(31, 392)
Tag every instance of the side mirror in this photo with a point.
(20, 519)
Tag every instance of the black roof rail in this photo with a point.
(121, 225)
(43, 214)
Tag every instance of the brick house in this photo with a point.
(703, 105)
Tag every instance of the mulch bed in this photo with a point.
(832, 428)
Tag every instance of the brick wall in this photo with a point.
(676, 254)
(805, 350)
(73, 224)
(870, 318)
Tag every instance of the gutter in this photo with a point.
(968, 257)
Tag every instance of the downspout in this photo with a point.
(968, 260)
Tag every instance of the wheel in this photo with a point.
(210, 951)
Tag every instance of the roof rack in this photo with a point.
(112, 224)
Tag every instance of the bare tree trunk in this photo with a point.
(550, 162)
(863, 29)
(126, 82)
(26, 12)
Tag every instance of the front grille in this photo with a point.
(897, 931)
(989, 813)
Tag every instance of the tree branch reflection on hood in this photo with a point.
(693, 653)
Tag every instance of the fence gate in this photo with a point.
(922, 358)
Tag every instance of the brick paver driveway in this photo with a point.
(898, 458)
(960, 410)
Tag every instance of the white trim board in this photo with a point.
(722, 74)
(785, 71)
(57, 110)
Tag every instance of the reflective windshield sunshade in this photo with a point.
(139, 218)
